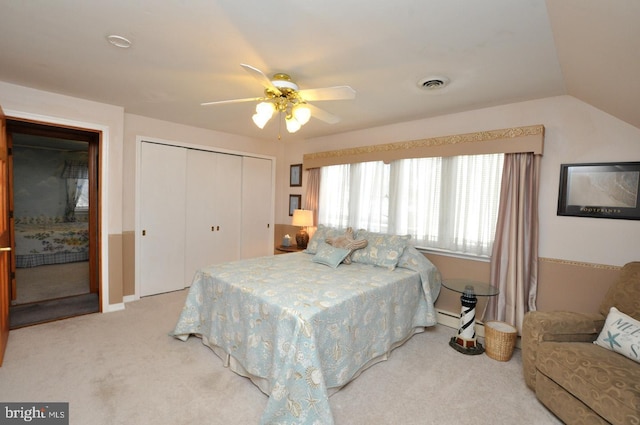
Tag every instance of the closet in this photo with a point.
(199, 208)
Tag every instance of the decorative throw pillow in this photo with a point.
(382, 250)
(321, 234)
(347, 241)
(621, 333)
(329, 255)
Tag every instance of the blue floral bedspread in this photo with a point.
(304, 328)
(51, 243)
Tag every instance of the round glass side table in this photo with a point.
(465, 341)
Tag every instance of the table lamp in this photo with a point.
(304, 219)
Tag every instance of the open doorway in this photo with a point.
(54, 220)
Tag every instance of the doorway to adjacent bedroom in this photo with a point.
(54, 221)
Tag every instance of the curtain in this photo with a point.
(447, 203)
(355, 195)
(76, 173)
(514, 261)
(313, 193)
(334, 196)
(415, 186)
(369, 196)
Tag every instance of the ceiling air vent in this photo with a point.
(433, 83)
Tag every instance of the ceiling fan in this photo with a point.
(282, 95)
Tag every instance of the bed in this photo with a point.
(301, 329)
(43, 242)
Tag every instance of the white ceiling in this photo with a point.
(189, 51)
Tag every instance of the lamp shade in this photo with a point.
(264, 111)
(292, 124)
(302, 218)
(301, 113)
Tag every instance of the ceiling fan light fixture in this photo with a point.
(264, 112)
(301, 113)
(292, 124)
(283, 95)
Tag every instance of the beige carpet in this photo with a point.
(51, 281)
(123, 368)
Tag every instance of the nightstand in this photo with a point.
(283, 249)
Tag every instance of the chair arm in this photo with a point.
(559, 326)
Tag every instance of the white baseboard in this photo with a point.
(119, 306)
(128, 298)
(452, 320)
(113, 307)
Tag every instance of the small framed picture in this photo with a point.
(294, 203)
(295, 175)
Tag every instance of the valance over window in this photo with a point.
(509, 140)
(75, 170)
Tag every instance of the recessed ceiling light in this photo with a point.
(433, 83)
(119, 41)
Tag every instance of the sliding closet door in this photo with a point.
(228, 184)
(257, 207)
(213, 210)
(162, 219)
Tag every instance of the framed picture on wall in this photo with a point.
(295, 175)
(601, 190)
(294, 203)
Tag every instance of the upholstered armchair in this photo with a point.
(579, 381)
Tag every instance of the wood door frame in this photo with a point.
(5, 260)
(94, 139)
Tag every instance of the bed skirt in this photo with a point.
(263, 383)
(34, 260)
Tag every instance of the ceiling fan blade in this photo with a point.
(219, 102)
(323, 115)
(261, 78)
(328, 93)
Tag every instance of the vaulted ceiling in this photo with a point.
(187, 52)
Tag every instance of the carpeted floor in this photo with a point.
(123, 368)
(52, 292)
(51, 281)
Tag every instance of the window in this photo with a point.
(83, 200)
(444, 203)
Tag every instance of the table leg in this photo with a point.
(465, 341)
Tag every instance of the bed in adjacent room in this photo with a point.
(49, 241)
(303, 325)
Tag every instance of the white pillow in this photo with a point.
(621, 333)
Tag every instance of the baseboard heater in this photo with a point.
(452, 320)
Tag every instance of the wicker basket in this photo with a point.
(500, 340)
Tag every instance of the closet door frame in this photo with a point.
(138, 228)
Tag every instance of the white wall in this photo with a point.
(574, 132)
